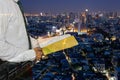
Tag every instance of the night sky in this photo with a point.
(58, 6)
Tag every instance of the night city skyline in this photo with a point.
(59, 6)
(60, 40)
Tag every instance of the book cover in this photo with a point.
(57, 43)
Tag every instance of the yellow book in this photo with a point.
(58, 43)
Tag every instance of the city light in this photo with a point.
(86, 10)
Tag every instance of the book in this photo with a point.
(57, 43)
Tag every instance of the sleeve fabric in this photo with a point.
(9, 52)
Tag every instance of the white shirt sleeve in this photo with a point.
(8, 51)
(12, 53)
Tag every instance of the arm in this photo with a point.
(8, 51)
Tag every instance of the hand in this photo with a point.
(39, 53)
